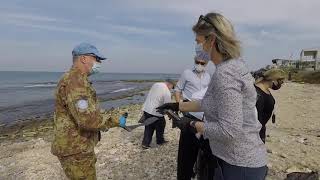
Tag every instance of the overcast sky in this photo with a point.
(148, 36)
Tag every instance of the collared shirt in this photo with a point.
(190, 83)
(231, 123)
(198, 96)
(158, 95)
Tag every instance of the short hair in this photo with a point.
(75, 58)
(171, 81)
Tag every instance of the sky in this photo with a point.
(148, 36)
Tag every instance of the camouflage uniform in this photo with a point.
(77, 125)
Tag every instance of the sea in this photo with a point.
(28, 95)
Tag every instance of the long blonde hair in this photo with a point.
(226, 41)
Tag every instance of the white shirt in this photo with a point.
(190, 83)
(198, 96)
(158, 95)
(210, 68)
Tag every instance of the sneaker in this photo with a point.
(145, 147)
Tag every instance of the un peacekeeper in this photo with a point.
(77, 118)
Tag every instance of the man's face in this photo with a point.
(89, 60)
(170, 86)
(200, 62)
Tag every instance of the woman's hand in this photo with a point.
(191, 106)
(198, 125)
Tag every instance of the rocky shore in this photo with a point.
(293, 144)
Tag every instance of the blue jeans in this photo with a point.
(227, 171)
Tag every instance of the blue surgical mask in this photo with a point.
(95, 68)
(198, 47)
(199, 50)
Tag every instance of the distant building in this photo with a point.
(285, 63)
(309, 60)
(312, 56)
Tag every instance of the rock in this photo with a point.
(283, 141)
(282, 155)
(302, 140)
(296, 169)
(269, 151)
(112, 151)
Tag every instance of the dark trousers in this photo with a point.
(157, 126)
(187, 155)
(206, 162)
(227, 171)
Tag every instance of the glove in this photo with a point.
(123, 120)
(167, 106)
(184, 124)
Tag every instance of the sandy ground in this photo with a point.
(293, 145)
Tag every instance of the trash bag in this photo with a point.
(303, 176)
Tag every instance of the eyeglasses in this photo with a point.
(202, 63)
(94, 56)
(203, 19)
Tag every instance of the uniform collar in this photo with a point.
(77, 71)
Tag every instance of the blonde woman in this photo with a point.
(231, 124)
(271, 79)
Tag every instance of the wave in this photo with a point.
(41, 85)
(123, 89)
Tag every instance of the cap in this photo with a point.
(86, 48)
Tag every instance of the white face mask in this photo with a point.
(95, 68)
(199, 68)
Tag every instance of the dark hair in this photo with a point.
(171, 81)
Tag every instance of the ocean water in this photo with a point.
(31, 94)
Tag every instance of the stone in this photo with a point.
(112, 151)
(297, 169)
(282, 155)
(302, 141)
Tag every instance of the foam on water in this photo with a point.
(123, 89)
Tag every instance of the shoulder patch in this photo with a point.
(82, 104)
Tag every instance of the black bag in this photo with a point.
(142, 119)
(303, 176)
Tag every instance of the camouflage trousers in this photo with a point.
(79, 166)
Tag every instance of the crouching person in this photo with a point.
(159, 94)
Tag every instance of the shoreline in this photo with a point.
(41, 126)
(33, 128)
(125, 98)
